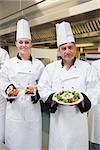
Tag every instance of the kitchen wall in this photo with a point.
(37, 53)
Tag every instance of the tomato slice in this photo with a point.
(71, 100)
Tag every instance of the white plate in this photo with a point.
(61, 102)
(30, 94)
(11, 97)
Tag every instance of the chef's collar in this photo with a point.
(62, 62)
(18, 56)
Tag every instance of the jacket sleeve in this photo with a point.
(93, 86)
(45, 84)
(4, 79)
(96, 65)
(3, 56)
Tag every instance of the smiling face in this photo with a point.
(68, 52)
(23, 46)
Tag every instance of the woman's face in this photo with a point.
(68, 51)
(23, 46)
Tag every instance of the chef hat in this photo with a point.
(23, 30)
(64, 33)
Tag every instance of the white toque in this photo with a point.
(64, 33)
(23, 30)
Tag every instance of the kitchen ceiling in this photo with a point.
(85, 26)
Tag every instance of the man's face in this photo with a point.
(23, 46)
(68, 51)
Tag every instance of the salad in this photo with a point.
(30, 90)
(68, 97)
(13, 92)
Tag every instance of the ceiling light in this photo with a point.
(85, 45)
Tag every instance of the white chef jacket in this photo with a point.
(68, 126)
(3, 57)
(95, 132)
(23, 119)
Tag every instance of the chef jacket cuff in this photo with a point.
(85, 105)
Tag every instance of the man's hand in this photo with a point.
(85, 105)
(52, 105)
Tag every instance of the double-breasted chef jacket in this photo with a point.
(3, 57)
(23, 119)
(68, 126)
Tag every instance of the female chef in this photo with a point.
(68, 124)
(23, 114)
(3, 57)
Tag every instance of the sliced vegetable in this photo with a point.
(67, 96)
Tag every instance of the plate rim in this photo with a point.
(30, 94)
(11, 97)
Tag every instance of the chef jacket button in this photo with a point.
(72, 87)
(17, 62)
(29, 70)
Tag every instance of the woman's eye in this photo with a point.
(20, 42)
(26, 42)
